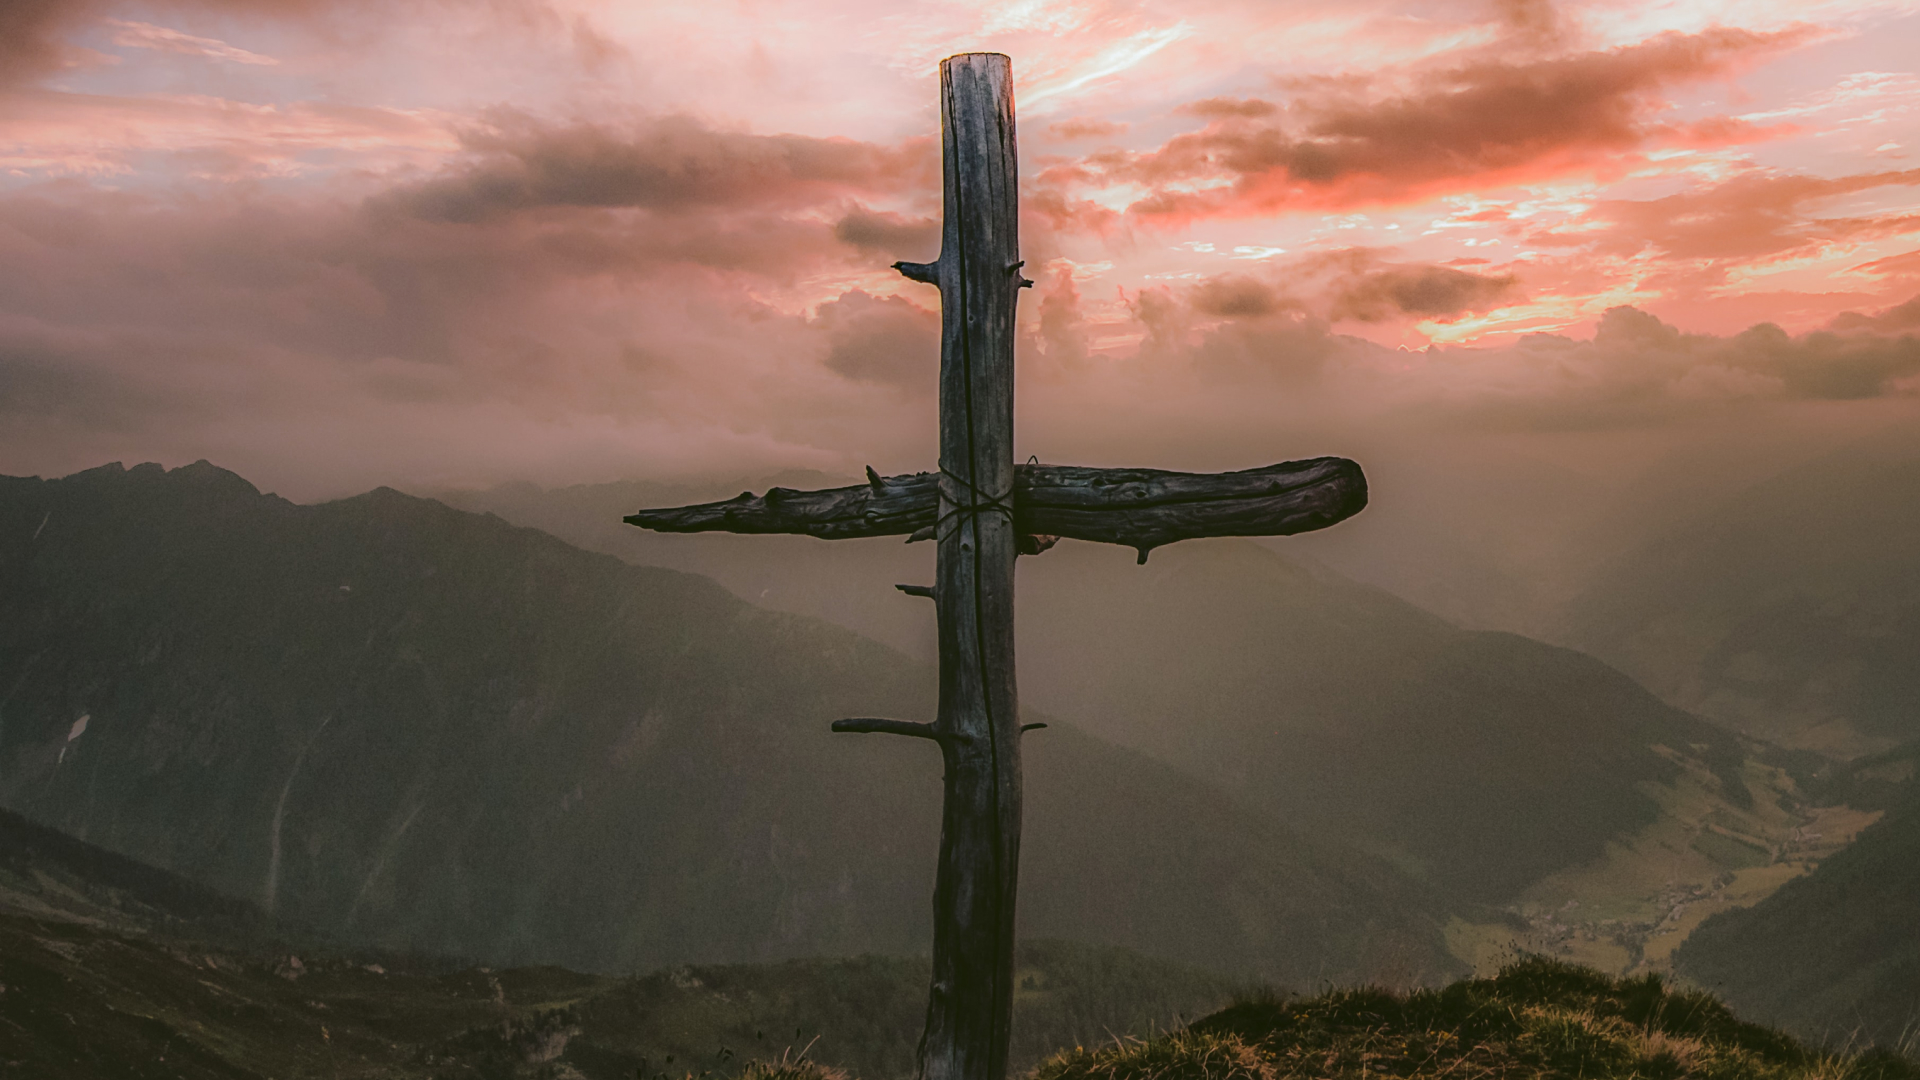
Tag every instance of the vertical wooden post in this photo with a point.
(970, 1005)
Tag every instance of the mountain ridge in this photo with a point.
(421, 728)
(1290, 687)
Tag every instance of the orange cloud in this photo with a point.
(1477, 124)
(881, 340)
(1754, 215)
(1081, 127)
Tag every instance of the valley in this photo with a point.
(395, 726)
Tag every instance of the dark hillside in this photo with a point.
(111, 968)
(1484, 760)
(82, 1003)
(1538, 1019)
(420, 728)
(1837, 952)
(46, 872)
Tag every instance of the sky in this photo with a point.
(333, 244)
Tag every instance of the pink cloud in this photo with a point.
(142, 35)
(1466, 126)
(57, 133)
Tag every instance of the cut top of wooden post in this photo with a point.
(978, 275)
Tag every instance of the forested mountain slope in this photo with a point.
(417, 727)
(1483, 761)
(1836, 953)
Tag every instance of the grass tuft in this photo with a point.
(789, 1069)
(1538, 1018)
(1182, 1055)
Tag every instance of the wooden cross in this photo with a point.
(982, 510)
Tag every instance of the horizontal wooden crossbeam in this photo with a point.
(1137, 508)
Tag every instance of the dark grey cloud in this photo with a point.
(913, 238)
(519, 163)
(1239, 296)
(1424, 292)
(29, 46)
(1358, 284)
(882, 340)
(1899, 317)
(342, 344)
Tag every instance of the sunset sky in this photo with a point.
(333, 243)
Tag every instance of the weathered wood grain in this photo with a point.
(1147, 508)
(872, 725)
(1137, 508)
(970, 1002)
(890, 506)
(983, 511)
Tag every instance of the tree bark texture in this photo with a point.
(1136, 508)
(970, 1004)
(982, 510)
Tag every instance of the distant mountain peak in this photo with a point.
(201, 474)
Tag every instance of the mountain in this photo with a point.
(1790, 610)
(110, 968)
(846, 582)
(45, 873)
(1835, 954)
(1481, 761)
(418, 728)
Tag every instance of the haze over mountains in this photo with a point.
(1479, 761)
(1770, 592)
(1790, 610)
(417, 727)
(414, 726)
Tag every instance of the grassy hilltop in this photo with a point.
(1538, 1018)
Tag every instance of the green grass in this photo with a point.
(1537, 1018)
